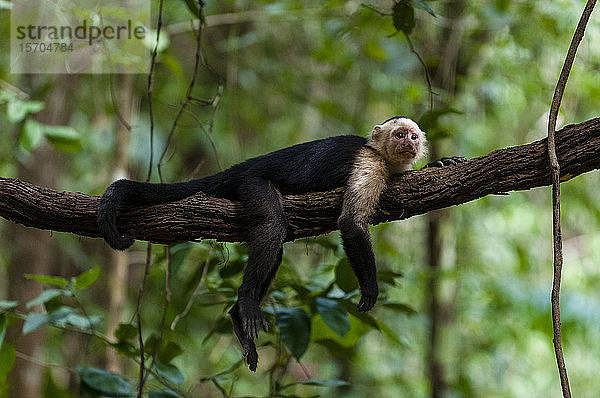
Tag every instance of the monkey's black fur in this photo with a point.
(309, 167)
(258, 184)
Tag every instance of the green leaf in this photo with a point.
(294, 326)
(31, 135)
(334, 314)
(232, 268)
(403, 16)
(321, 331)
(103, 382)
(385, 329)
(227, 371)
(126, 331)
(344, 276)
(423, 6)
(46, 296)
(168, 351)
(17, 110)
(36, 320)
(7, 359)
(162, 394)
(324, 383)
(170, 372)
(63, 138)
(387, 276)
(400, 307)
(364, 317)
(8, 305)
(178, 253)
(79, 321)
(85, 279)
(53, 280)
(152, 344)
(3, 326)
(126, 349)
(192, 6)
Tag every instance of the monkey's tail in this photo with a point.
(137, 193)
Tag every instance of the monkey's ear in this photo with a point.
(376, 130)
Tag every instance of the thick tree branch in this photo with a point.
(516, 168)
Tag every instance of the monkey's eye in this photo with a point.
(399, 135)
(414, 136)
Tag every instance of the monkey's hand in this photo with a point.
(368, 297)
(446, 161)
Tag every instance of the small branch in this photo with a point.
(38, 362)
(417, 192)
(555, 170)
(151, 88)
(188, 96)
(138, 311)
(425, 70)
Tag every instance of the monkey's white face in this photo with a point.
(401, 142)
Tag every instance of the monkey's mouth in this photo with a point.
(409, 152)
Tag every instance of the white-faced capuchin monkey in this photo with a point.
(360, 165)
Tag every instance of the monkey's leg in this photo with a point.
(357, 245)
(266, 237)
(248, 346)
(267, 283)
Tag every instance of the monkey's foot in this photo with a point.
(252, 317)
(248, 346)
(447, 161)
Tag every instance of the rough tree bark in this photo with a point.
(516, 168)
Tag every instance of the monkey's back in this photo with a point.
(312, 166)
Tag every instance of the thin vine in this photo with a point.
(555, 171)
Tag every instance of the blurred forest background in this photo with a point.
(276, 73)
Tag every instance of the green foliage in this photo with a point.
(51, 280)
(162, 394)
(63, 138)
(126, 332)
(170, 372)
(99, 382)
(294, 326)
(344, 276)
(85, 279)
(7, 362)
(17, 110)
(46, 296)
(403, 15)
(334, 314)
(61, 317)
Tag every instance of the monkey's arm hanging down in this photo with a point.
(361, 166)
